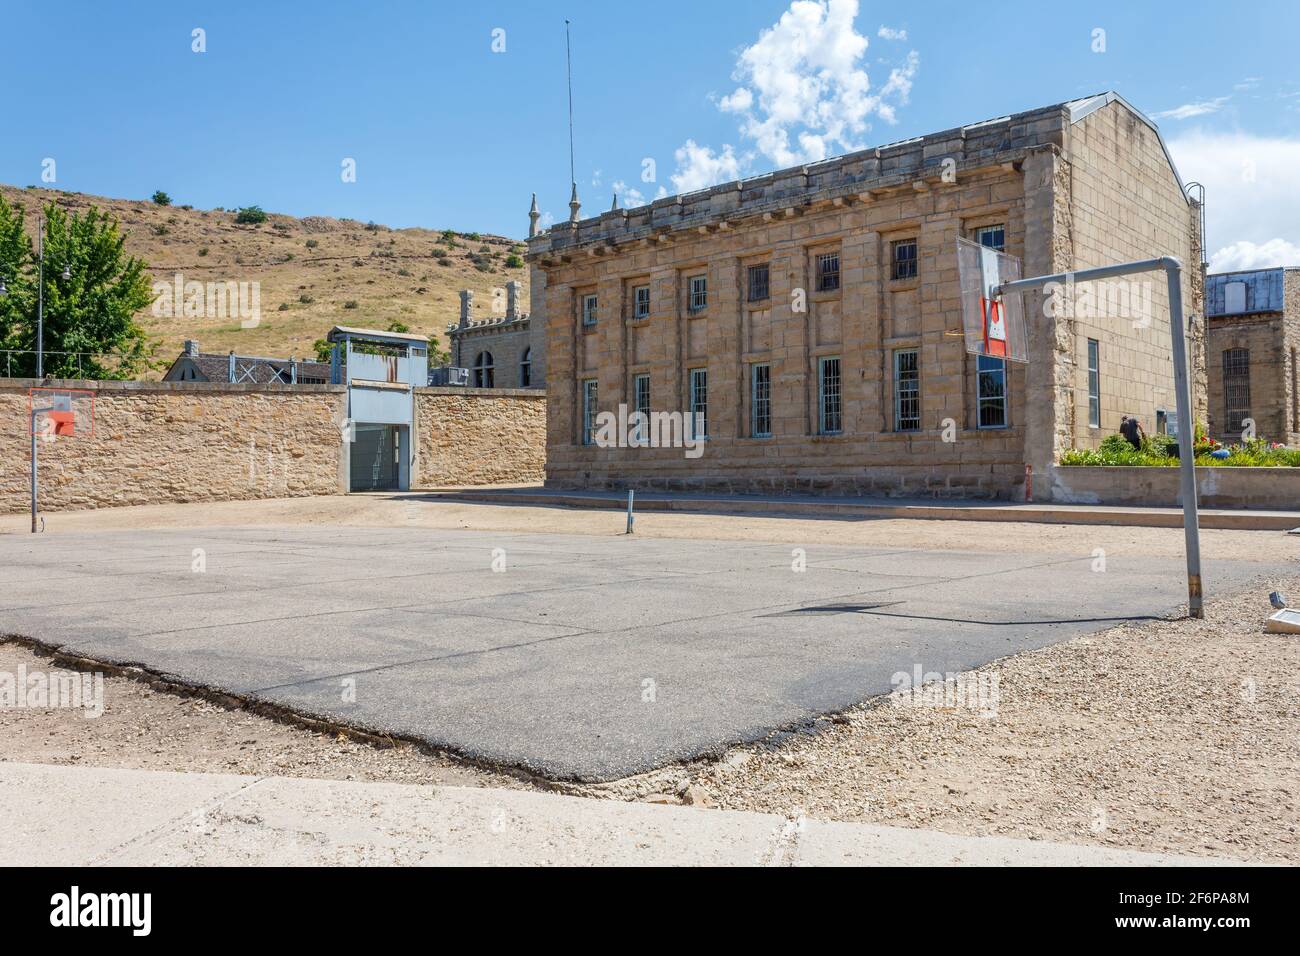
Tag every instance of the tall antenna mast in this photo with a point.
(568, 62)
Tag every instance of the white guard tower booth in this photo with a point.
(380, 369)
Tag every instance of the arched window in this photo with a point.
(526, 369)
(483, 375)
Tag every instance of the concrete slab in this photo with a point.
(586, 657)
(75, 816)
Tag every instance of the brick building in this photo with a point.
(808, 314)
(1253, 353)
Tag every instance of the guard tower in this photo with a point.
(380, 369)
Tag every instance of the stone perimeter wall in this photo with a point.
(157, 442)
(164, 442)
(477, 436)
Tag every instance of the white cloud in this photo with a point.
(631, 197)
(889, 33)
(1188, 110)
(1248, 255)
(803, 94)
(1252, 207)
(699, 166)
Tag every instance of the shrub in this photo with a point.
(284, 307)
(350, 304)
(305, 299)
(160, 230)
(203, 251)
(312, 243)
(250, 216)
(514, 262)
(160, 198)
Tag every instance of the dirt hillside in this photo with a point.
(314, 272)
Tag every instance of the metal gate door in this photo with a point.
(375, 454)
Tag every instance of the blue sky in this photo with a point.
(448, 133)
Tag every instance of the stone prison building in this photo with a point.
(811, 316)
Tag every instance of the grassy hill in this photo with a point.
(315, 272)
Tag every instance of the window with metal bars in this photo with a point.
(828, 396)
(991, 392)
(907, 390)
(758, 282)
(698, 297)
(903, 259)
(992, 237)
(760, 391)
(588, 410)
(1094, 383)
(589, 306)
(828, 272)
(699, 403)
(640, 302)
(1236, 387)
(641, 395)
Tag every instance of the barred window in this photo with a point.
(991, 392)
(641, 395)
(828, 396)
(1094, 383)
(1236, 387)
(698, 300)
(588, 410)
(992, 237)
(589, 304)
(907, 390)
(758, 282)
(760, 392)
(640, 302)
(903, 259)
(699, 403)
(828, 272)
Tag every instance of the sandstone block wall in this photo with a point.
(1068, 192)
(160, 442)
(1124, 203)
(479, 436)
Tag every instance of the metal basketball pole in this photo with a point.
(1173, 270)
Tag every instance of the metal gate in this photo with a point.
(376, 451)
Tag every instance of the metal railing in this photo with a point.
(20, 363)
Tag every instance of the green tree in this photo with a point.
(91, 311)
(324, 350)
(19, 283)
(160, 198)
(250, 216)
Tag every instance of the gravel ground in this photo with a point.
(147, 729)
(1174, 736)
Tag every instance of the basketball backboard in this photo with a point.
(61, 412)
(992, 324)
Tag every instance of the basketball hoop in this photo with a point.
(993, 324)
(61, 412)
(56, 413)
